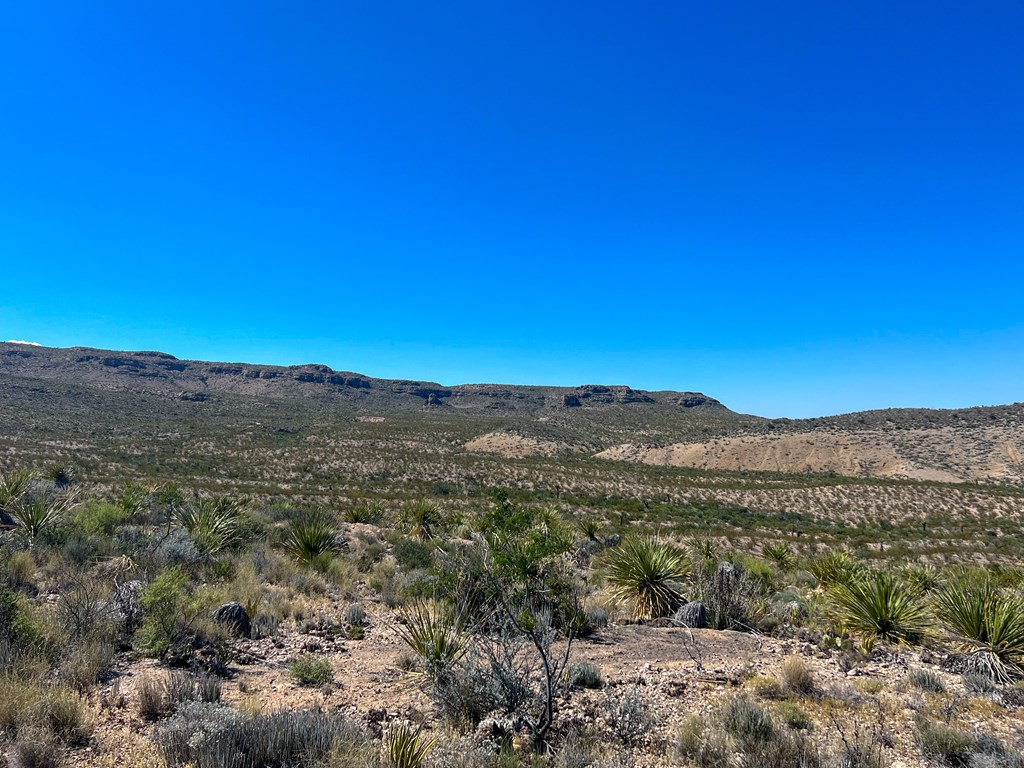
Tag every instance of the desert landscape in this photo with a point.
(220, 564)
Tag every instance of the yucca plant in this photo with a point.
(434, 634)
(313, 539)
(422, 519)
(704, 550)
(371, 512)
(213, 522)
(407, 747)
(988, 625)
(12, 488)
(837, 567)
(880, 608)
(923, 578)
(780, 553)
(646, 573)
(35, 516)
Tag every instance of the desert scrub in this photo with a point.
(628, 716)
(879, 607)
(213, 735)
(926, 680)
(798, 677)
(312, 671)
(33, 705)
(646, 574)
(584, 675)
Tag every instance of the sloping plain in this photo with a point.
(679, 461)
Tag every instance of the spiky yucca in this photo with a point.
(407, 747)
(780, 554)
(988, 624)
(434, 634)
(837, 567)
(313, 539)
(645, 573)
(214, 522)
(423, 519)
(879, 607)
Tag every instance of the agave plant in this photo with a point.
(313, 539)
(214, 523)
(880, 608)
(988, 625)
(646, 573)
(407, 747)
(434, 634)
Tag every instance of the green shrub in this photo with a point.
(99, 518)
(411, 554)
(312, 671)
(880, 607)
(645, 573)
(749, 723)
(794, 716)
(169, 611)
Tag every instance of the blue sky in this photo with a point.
(798, 208)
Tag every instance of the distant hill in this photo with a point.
(143, 401)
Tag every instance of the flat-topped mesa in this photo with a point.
(199, 382)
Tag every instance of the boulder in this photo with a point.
(694, 615)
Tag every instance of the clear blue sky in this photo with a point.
(799, 208)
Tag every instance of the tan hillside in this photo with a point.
(944, 454)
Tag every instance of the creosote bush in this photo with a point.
(312, 671)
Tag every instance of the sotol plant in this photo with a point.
(646, 573)
(434, 635)
(880, 608)
(988, 624)
(313, 539)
